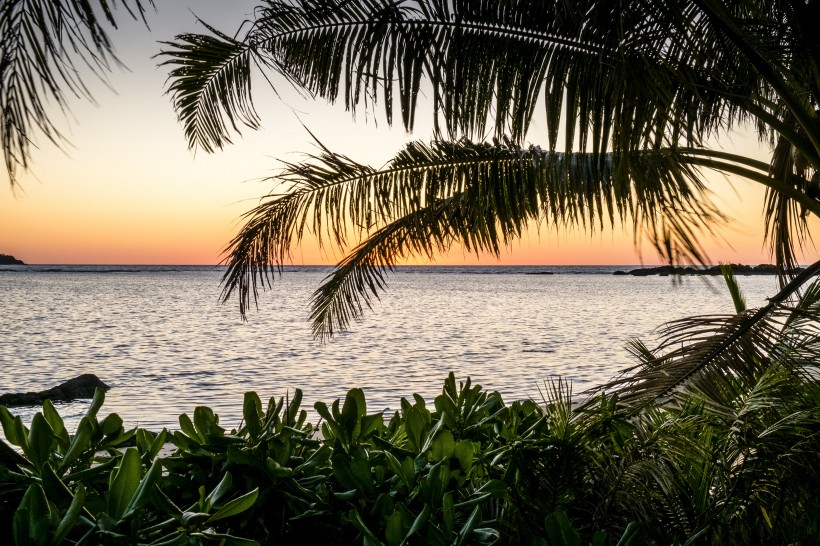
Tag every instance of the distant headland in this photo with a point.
(6, 259)
(737, 269)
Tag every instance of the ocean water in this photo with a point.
(161, 339)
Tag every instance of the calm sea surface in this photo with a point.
(161, 339)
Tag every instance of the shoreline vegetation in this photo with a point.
(466, 468)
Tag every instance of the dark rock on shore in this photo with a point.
(80, 387)
(738, 269)
(6, 259)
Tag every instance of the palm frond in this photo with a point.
(211, 87)
(614, 78)
(721, 355)
(361, 276)
(45, 47)
(734, 288)
(786, 222)
(656, 73)
(478, 194)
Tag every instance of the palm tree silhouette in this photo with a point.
(633, 93)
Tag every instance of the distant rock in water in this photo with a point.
(6, 259)
(80, 387)
(737, 269)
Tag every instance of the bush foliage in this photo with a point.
(469, 469)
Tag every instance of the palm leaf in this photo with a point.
(490, 66)
(44, 48)
(478, 194)
(720, 356)
(210, 87)
(615, 79)
(734, 288)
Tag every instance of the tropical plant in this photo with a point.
(424, 477)
(636, 94)
(468, 469)
(47, 51)
(89, 488)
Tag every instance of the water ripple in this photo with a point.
(160, 337)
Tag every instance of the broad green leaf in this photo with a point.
(9, 458)
(150, 444)
(235, 506)
(54, 487)
(165, 505)
(362, 474)
(79, 443)
(330, 426)
(408, 470)
(432, 436)
(443, 446)
(218, 492)
(96, 403)
(124, 483)
(56, 423)
(193, 518)
(415, 427)
(448, 512)
(252, 413)
(276, 470)
(475, 499)
(143, 492)
(394, 529)
(32, 520)
(351, 413)
(206, 422)
(111, 425)
(472, 523)
(488, 535)
(188, 428)
(143, 439)
(418, 523)
(158, 443)
(346, 495)
(634, 535)
(371, 423)
(13, 428)
(40, 440)
(464, 451)
(293, 407)
(493, 487)
(71, 516)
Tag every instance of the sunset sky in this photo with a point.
(126, 190)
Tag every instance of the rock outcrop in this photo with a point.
(80, 387)
(6, 259)
(737, 269)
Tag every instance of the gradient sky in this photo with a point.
(126, 190)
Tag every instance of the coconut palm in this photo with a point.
(47, 51)
(634, 92)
